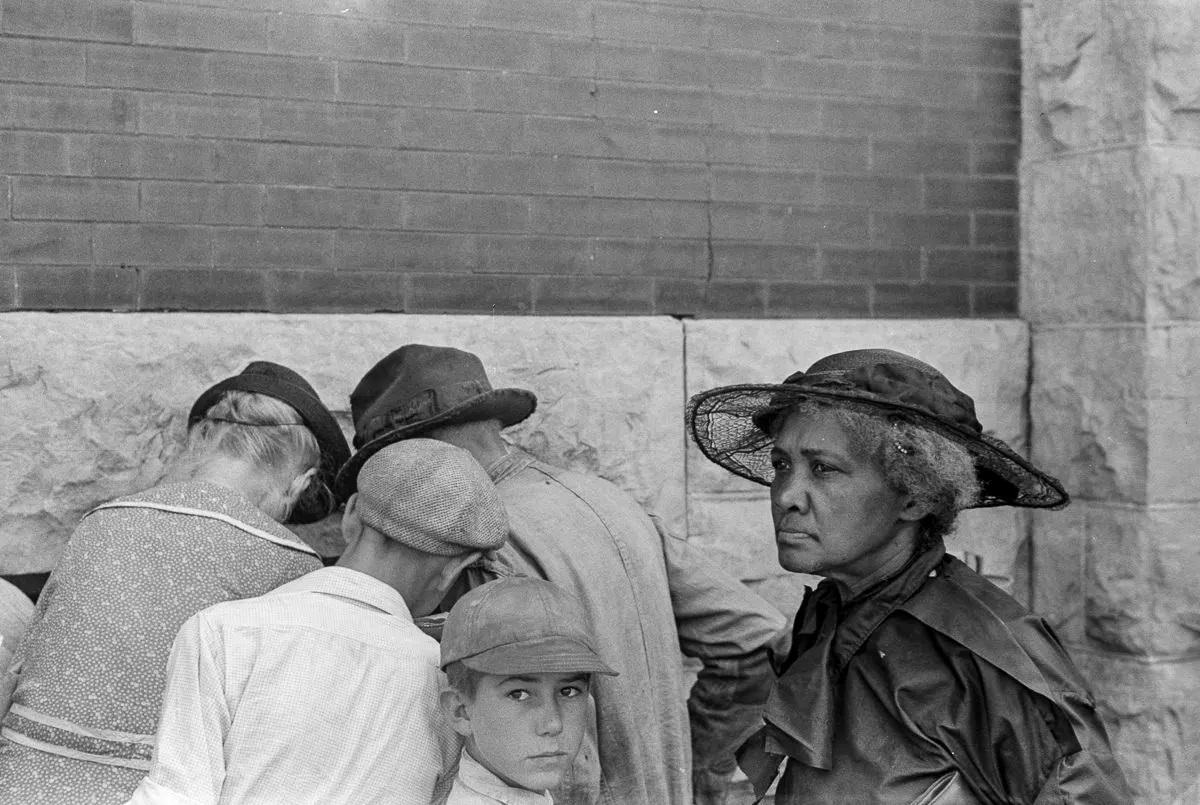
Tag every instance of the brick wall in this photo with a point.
(742, 158)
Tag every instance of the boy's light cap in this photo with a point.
(520, 625)
(431, 496)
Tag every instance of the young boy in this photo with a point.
(519, 660)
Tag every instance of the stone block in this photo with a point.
(1091, 425)
(1083, 239)
(1081, 96)
(1173, 353)
(1140, 579)
(1173, 102)
(987, 359)
(1058, 556)
(1171, 175)
(1173, 442)
(93, 405)
(736, 530)
(1152, 710)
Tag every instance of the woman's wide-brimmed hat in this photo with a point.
(286, 385)
(417, 388)
(732, 424)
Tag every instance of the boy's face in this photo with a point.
(526, 729)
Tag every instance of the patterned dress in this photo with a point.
(91, 670)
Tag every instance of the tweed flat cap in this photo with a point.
(433, 497)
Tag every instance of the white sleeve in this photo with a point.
(189, 757)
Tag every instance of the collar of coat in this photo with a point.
(941, 592)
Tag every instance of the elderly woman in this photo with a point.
(911, 679)
(261, 450)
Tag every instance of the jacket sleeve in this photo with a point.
(729, 629)
(189, 757)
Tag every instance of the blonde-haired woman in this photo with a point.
(261, 450)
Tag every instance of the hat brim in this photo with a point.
(547, 655)
(724, 424)
(330, 439)
(510, 406)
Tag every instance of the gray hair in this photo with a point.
(256, 428)
(915, 461)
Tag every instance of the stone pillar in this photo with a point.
(1110, 216)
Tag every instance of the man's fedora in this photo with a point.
(417, 388)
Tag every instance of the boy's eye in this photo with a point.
(570, 692)
(821, 468)
(779, 464)
(518, 695)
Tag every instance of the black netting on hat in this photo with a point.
(730, 424)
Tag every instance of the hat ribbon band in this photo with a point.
(426, 404)
(890, 383)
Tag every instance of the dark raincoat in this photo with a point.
(933, 687)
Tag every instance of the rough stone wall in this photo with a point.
(745, 158)
(1111, 287)
(92, 406)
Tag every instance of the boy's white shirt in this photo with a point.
(476, 785)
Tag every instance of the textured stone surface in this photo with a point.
(1173, 221)
(1080, 93)
(92, 405)
(1083, 238)
(1153, 711)
(1098, 73)
(1140, 585)
(1058, 555)
(987, 359)
(1127, 432)
(1110, 218)
(1088, 409)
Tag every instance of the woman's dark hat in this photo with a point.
(280, 382)
(732, 424)
(417, 388)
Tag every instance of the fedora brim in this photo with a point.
(510, 406)
(725, 424)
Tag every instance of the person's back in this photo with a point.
(88, 676)
(329, 662)
(324, 690)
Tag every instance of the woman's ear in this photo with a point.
(298, 485)
(456, 711)
(914, 510)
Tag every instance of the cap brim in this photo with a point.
(555, 655)
(722, 422)
(510, 406)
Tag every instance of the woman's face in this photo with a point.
(834, 513)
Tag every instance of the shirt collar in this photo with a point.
(474, 775)
(510, 464)
(352, 584)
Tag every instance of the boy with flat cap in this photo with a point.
(519, 658)
(324, 690)
(649, 597)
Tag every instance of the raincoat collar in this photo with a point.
(799, 712)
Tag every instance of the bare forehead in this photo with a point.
(812, 432)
